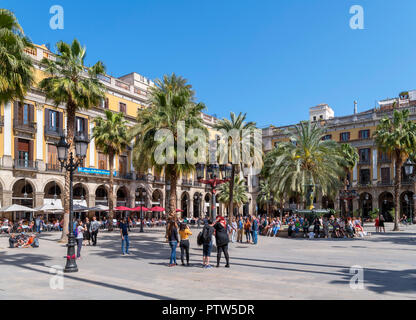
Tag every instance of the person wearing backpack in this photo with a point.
(207, 233)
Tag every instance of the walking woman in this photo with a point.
(184, 232)
(173, 238)
(221, 239)
(87, 234)
(79, 234)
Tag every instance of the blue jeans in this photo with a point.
(79, 246)
(255, 237)
(173, 245)
(127, 242)
(38, 228)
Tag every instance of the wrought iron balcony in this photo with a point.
(142, 177)
(364, 162)
(385, 183)
(56, 167)
(186, 182)
(53, 131)
(24, 126)
(157, 179)
(124, 175)
(25, 164)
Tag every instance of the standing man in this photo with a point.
(240, 229)
(37, 224)
(124, 231)
(255, 229)
(94, 227)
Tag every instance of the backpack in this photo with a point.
(207, 234)
(199, 239)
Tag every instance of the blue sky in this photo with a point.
(272, 59)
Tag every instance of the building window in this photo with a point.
(364, 134)
(102, 161)
(384, 157)
(81, 125)
(52, 154)
(364, 155)
(385, 175)
(365, 176)
(327, 137)
(345, 136)
(53, 119)
(314, 118)
(321, 117)
(123, 107)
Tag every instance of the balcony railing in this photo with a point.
(26, 126)
(197, 184)
(364, 162)
(142, 177)
(158, 179)
(186, 182)
(56, 167)
(384, 160)
(124, 175)
(53, 131)
(385, 183)
(364, 184)
(25, 164)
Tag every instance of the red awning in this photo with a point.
(123, 209)
(158, 209)
(179, 210)
(139, 209)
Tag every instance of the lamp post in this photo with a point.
(142, 198)
(81, 145)
(213, 172)
(409, 169)
(196, 198)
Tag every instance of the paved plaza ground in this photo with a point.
(276, 268)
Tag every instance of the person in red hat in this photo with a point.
(221, 238)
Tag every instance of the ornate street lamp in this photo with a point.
(409, 170)
(81, 146)
(213, 175)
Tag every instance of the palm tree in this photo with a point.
(172, 100)
(349, 157)
(238, 196)
(306, 161)
(397, 136)
(110, 136)
(265, 195)
(77, 87)
(16, 73)
(243, 129)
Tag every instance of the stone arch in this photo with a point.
(122, 196)
(365, 204)
(80, 194)
(185, 203)
(24, 192)
(406, 204)
(101, 195)
(386, 203)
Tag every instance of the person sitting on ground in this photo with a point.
(13, 242)
(341, 224)
(403, 220)
(349, 228)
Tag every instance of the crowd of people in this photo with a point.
(317, 227)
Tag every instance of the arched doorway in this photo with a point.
(23, 194)
(157, 200)
(406, 204)
(122, 198)
(197, 205)
(327, 203)
(101, 196)
(80, 195)
(53, 196)
(207, 205)
(386, 204)
(366, 205)
(184, 204)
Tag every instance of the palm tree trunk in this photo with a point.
(397, 183)
(70, 125)
(111, 193)
(231, 207)
(172, 195)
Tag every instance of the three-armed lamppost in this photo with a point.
(71, 164)
(213, 174)
(409, 170)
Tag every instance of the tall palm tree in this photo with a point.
(305, 162)
(242, 128)
(349, 157)
(110, 134)
(238, 196)
(397, 136)
(77, 87)
(16, 73)
(171, 100)
(265, 195)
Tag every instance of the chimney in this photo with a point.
(355, 107)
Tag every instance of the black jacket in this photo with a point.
(174, 235)
(221, 235)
